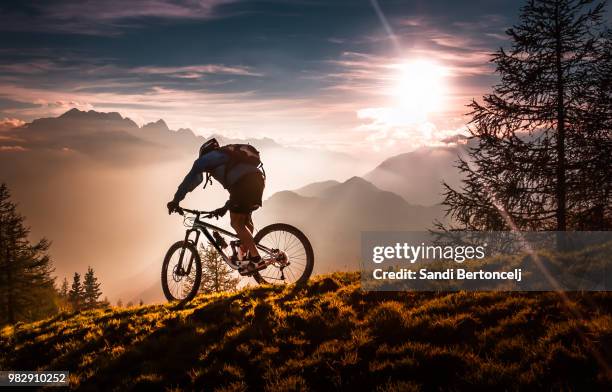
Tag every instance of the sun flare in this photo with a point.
(420, 88)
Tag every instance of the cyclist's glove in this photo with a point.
(173, 206)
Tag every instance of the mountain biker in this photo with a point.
(245, 183)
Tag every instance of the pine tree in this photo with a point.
(63, 291)
(217, 276)
(119, 303)
(27, 288)
(75, 295)
(91, 290)
(543, 143)
(593, 200)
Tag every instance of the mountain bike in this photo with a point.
(285, 249)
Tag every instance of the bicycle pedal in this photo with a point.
(245, 272)
(251, 268)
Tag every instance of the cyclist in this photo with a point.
(245, 183)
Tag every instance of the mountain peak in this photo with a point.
(287, 196)
(75, 113)
(356, 180)
(354, 185)
(359, 183)
(159, 124)
(316, 188)
(71, 113)
(417, 175)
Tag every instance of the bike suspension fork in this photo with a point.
(186, 241)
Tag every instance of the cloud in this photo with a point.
(461, 47)
(94, 17)
(195, 71)
(102, 74)
(394, 137)
(12, 149)
(10, 123)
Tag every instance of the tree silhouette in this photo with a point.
(91, 290)
(63, 291)
(543, 144)
(75, 295)
(217, 276)
(26, 286)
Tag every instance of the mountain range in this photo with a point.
(418, 175)
(334, 214)
(97, 183)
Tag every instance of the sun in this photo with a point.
(419, 89)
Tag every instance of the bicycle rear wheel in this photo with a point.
(181, 272)
(294, 258)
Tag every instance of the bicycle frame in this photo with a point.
(200, 226)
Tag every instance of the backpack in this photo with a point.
(242, 153)
(239, 153)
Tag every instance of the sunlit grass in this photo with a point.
(327, 335)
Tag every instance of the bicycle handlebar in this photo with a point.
(199, 214)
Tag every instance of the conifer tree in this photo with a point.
(63, 291)
(91, 290)
(27, 288)
(75, 295)
(543, 142)
(217, 276)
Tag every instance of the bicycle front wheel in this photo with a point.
(181, 272)
(292, 254)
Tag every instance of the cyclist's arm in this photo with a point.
(194, 177)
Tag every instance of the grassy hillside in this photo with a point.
(328, 335)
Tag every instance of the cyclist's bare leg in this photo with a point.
(249, 223)
(243, 225)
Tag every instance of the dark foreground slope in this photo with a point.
(326, 336)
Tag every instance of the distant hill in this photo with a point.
(417, 176)
(316, 188)
(329, 335)
(110, 138)
(97, 133)
(337, 214)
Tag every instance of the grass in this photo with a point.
(328, 335)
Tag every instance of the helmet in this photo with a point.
(208, 146)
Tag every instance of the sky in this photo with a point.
(353, 76)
